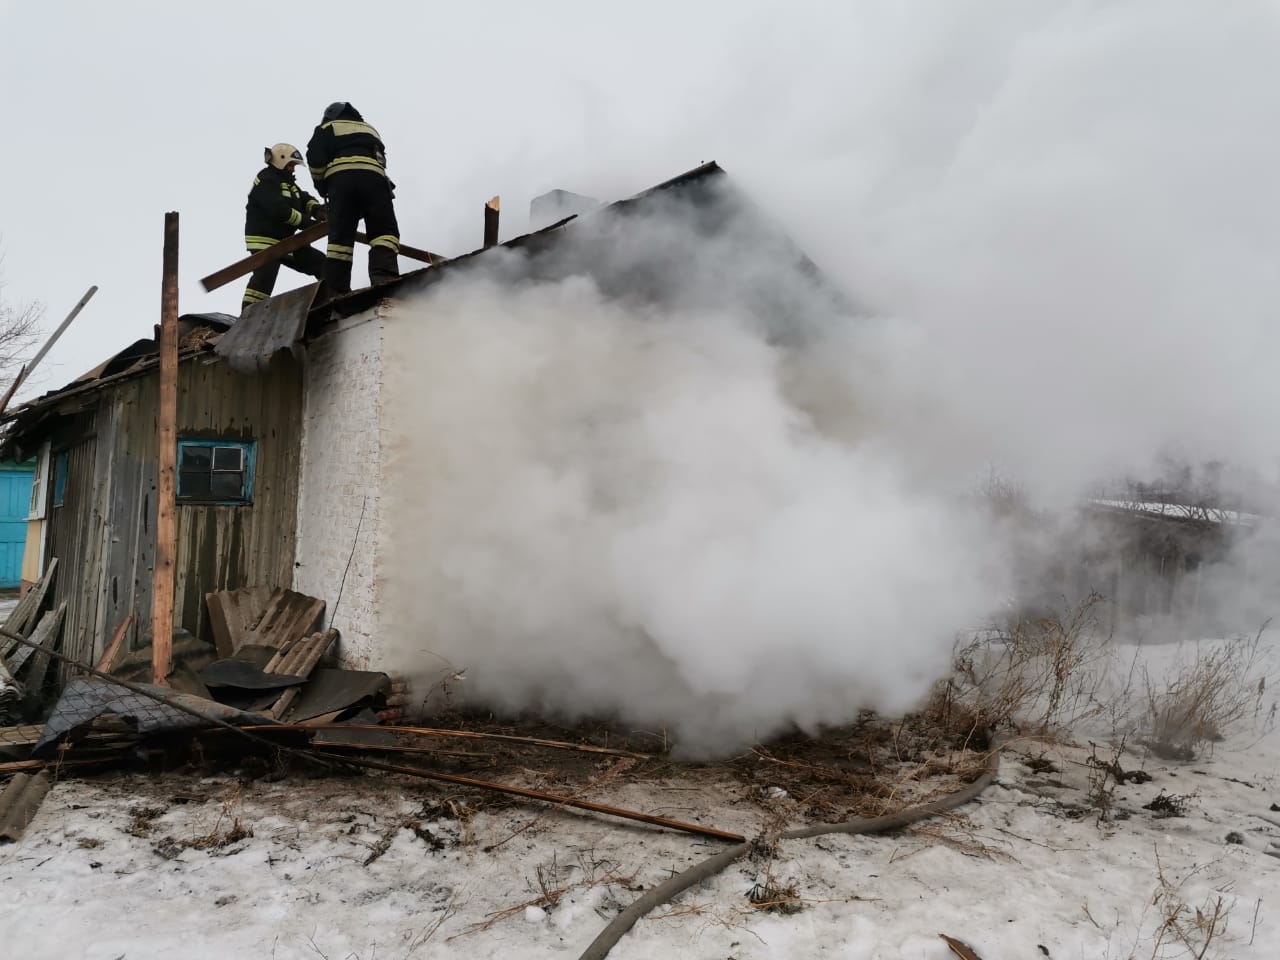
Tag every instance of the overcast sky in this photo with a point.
(1073, 207)
(118, 112)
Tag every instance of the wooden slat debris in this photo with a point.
(298, 660)
(45, 637)
(22, 619)
(232, 613)
(48, 638)
(288, 616)
(20, 801)
(112, 653)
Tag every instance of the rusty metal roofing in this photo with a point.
(266, 328)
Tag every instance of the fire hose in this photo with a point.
(673, 887)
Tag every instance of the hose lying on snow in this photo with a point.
(708, 868)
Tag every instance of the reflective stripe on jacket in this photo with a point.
(344, 144)
(275, 209)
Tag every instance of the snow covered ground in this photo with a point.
(140, 867)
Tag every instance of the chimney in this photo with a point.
(556, 205)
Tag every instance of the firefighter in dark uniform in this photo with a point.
(277, 207)
(349, 168)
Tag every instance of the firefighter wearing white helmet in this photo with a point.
(283, 154)
(276, 208)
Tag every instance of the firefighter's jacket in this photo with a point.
(276, 208)
(344, 144)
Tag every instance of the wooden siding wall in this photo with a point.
(103, 534)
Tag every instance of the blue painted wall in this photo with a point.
(15, 503)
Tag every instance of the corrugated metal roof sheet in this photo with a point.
(20, 801)
(267, 328)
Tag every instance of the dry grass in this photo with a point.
(551, 885)
(1189, 930)
(1208, 697)
(1032, 676)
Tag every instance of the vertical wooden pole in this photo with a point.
(491, 222)
(167, 418)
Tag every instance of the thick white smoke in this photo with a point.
(1061, 225)
(609, 509)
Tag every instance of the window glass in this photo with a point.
(215, 471)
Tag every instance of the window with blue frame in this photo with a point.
(215, 471)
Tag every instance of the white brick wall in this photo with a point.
(341, 477)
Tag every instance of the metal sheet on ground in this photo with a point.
(85, 699)
(331, 690)
(243, 674)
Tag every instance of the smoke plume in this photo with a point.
(680, 480)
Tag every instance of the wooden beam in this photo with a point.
(8, 394)
(412, 253)
(303, 238)
(261, 258)
(112, 653)
(491, 222)
(166, 488)
(27, 369)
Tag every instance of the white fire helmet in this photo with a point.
(283, 154)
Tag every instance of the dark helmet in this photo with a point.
(336, 109)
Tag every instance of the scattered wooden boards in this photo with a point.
(22, 619)
(261, 617)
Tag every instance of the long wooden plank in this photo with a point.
(412, 253)
(43, 638)
(108, 658)
(23, 618)
(40, 661)
(13, 388)
(29, 368)
(303, 238)
(167, 439)
(225, 628)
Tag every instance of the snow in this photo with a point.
(1182, 511)
(106, 870)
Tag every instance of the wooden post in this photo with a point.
(491, 222)
(167, 418)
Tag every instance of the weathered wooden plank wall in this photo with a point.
(103, 534)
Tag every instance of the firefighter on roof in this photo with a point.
(277, 207)
(349, 168)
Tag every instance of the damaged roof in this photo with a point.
(197, 333)
(278, 324)
(363, 299)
